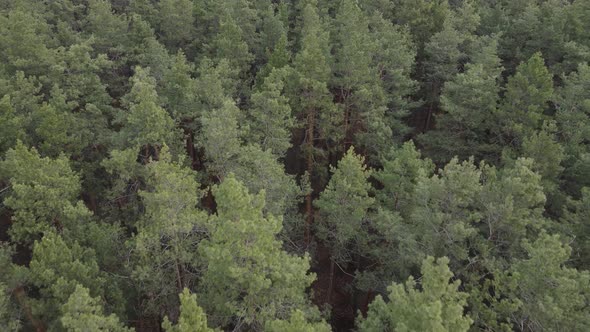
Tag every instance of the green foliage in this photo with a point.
(249, 279)
(573, 122)
(192, 318)
(146, 123)
(229, 45)
(437, 306)
(270, 117)
(361, 97)
(279, 58)
(82, 313)
(443, 55)
(296, 323)
(470, 102)
(106, 27)
(54, 134)
(527, 94)
(176, 23)
(513, 206)
(25, 41)
(442, 217)
(403, 167)
(394, 58)
(342, 207)
(57, 269)
(309, 95)
(424, 18)
(168, 233)
(547, 154)
(44, 194)
(577, 215)
(179, 91)
(9, 320)
(135, 134)
(220, 137)
(260, 170)
(11, 125)
(552, 296)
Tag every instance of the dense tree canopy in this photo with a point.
(301, 165)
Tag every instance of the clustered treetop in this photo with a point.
(305, 165)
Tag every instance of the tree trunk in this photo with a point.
(428, 116)
(179, 277)
(331, 284)
(309, 166)
(365, 307)
(190, 147)
(19, 294)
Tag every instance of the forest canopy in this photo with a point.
(294, 165)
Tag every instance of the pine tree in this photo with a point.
(270, 118)
(513, 202)
(424, 18)
(273, 35)
(79, 78)
(55, 131)
(179, 91)
(11, 125)
(394, 62)
(168, 233)
(437, 306)
(342, 208)
(25, 43)
(260, 170)
(44, 195)
(229, 44)
(248, 279)
(57, 269)
(278, 58)
(444, 215)
(214, 85)
(548, 154)
(108, 28)
(442, 56)
(403, 167)
(82, 313)
(527, 94)
(147, 124)
(220, 138)
(311, 100)
(176, 23)
(392, 248)
(552, 296)
(9, 320)
(296, 323)
(573, 122)
(576, 216)
(470, 102)
(356, 85)
(192, 318)
(146, 9)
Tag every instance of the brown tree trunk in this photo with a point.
(345, 140)
(331, 284)
(156, 152)
(428, 116)
(190, 147)
(93, 203)
(19, 294)
(309, 166)
(365, 307)
(179, 277)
